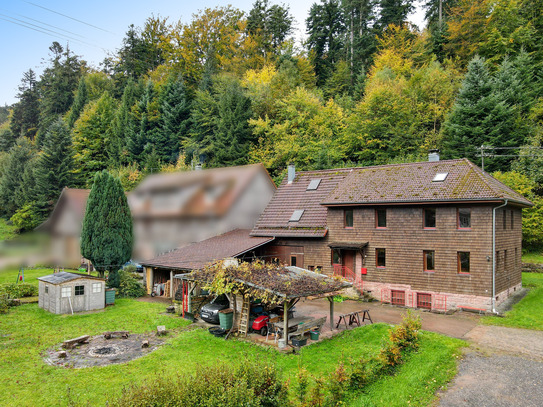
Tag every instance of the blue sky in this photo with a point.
(93, 28)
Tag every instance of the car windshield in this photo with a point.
(220, 299)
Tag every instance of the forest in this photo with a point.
(233, 87)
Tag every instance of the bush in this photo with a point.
(18, 290)
(130, 284)
(113, 279)
(4, 303)
(251, 385)
(402, 337)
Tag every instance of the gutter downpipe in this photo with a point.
(494, 254)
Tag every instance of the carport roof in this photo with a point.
(64, 276)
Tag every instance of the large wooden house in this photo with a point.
(436, 234)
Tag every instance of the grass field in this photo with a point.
(31, 275)
(532, 257)
(6, 231)
(528, 313)
(26, 331)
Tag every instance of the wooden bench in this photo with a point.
(354, 318)
(71, 343)
(307, 326)
(122, 334)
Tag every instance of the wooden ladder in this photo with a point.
(244, 317)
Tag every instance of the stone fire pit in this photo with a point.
(102, 352)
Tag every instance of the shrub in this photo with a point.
(251, 385)
(19, 290)
(402, 337)
(4, 303)
(130, 284)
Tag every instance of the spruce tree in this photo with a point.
(175, 120)
(123, 127)
(81, 99)
(54, 167)
(481, 115)
(233, 137)
(106, 236)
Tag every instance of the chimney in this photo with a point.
(198, 167)
(433, 155)
(291, 172)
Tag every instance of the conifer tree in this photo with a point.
(54, 167)
(175, 116)
(480, 116)
(16, 183)
(81, 99)
(123, 126)
(106, 236)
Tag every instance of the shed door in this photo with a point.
(79, 298)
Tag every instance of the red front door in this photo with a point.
(348, 259)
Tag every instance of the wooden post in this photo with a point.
(331, 300)
(285, 321)
(189, 297)
(170, 294)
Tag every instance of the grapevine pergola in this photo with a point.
(268, 282)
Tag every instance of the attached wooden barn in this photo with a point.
(65, 293)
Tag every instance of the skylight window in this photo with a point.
(314, 184)
(440, 177)
(296, 215)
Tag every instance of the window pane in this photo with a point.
(336, 256)
(429, 218)
(429, 260)
(66, 291)
(464, 218)
(293, 261)
(381, 218)
(349, 218)
(79, 290)
(380, 257)
(463, 262)
(96, 287)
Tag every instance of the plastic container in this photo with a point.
(226, 318)
(314, 335)
(299, 342)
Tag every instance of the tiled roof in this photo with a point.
(63, 277)
(290, 197)
(412, 182)
(385, 184)
(195, 256)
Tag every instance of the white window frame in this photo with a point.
(65, 292)
(96, 288)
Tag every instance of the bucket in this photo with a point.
(226, 318)
(282, 343)
(314, 335)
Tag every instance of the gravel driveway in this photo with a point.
(496, 381)
(503, 367)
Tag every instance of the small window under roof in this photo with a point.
(440, 177)
(296, 215)
(314, 184)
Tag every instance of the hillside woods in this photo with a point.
(232, 87)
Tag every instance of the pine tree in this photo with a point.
(25, 117)
(480, 116)
(141, 136)
(394, 12)
(92, 132)
(54, 167)
(175, 120)
(106, 236)
(123, 127)
(233, 137)
(16, 183)
(81, 99)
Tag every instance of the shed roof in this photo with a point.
(286, 282)
(195, 256)
(64, 276)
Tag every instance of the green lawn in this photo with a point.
(528, 313)
(31, 275)
(6, 231)
(533, 257)
(26, 331)
(416, 382)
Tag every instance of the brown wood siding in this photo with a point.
(405, 240)
(509, 272)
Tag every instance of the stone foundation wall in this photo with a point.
(440, 300)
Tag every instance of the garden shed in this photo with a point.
(65, 293)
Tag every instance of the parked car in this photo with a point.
(210, 311)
